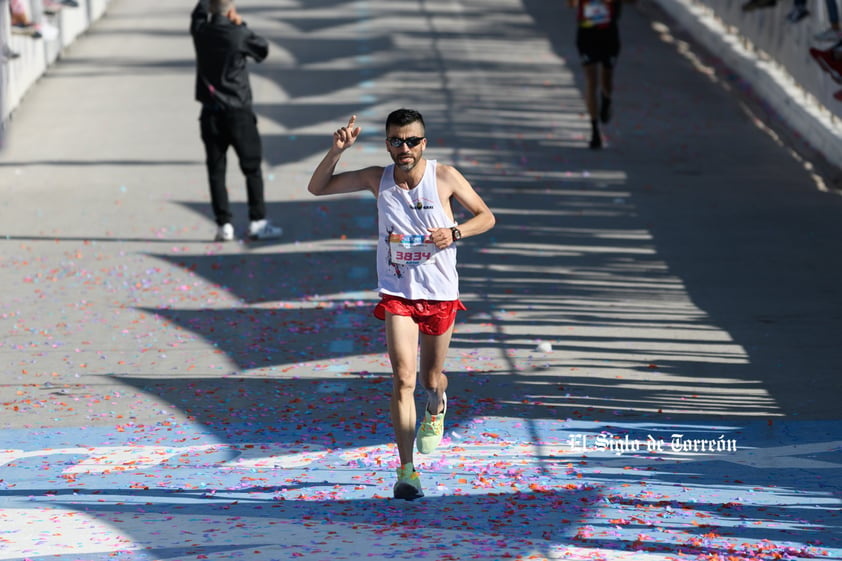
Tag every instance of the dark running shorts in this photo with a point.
(598, 45)
(434, 317)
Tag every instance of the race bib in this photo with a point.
(596, 12)
(405, 249)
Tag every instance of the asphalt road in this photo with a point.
(168, 397)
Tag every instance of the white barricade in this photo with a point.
(773, 56)
(24, 58)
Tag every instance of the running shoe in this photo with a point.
(408, 486)
(431, 429)
(264, 230)
(26, 29)
(224, 233)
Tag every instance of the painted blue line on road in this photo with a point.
(341, 346)
(544, 487)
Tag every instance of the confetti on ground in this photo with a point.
(167, 398)
(496, 489)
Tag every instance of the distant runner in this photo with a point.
(598, 43)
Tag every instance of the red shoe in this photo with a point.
(828, 63)
(838, 95)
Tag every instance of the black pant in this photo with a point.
(222, 129)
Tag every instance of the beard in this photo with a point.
(407, 164)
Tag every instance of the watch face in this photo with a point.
(457, 235)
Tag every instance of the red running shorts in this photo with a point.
(434, 317)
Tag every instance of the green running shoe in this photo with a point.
(408, 486)
(431, 429)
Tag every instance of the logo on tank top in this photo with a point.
(422, 204)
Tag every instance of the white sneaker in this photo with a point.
(264, 230)
(828, 36)
(224, 233)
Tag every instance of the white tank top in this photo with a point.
(408, 264)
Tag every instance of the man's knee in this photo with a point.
(403, 379)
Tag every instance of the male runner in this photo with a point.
(416, 269)
(598, 43)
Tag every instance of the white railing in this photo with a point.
(772, 54)
(24, 58)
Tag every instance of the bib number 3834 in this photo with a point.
(405, 249)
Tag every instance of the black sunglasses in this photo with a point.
(411, 142)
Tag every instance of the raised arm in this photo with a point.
(199, 17)
(325, 180)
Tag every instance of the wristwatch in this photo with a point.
(457, 235)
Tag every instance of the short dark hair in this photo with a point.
(220, 6)
(403, 117)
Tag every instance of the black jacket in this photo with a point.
(222, 78)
